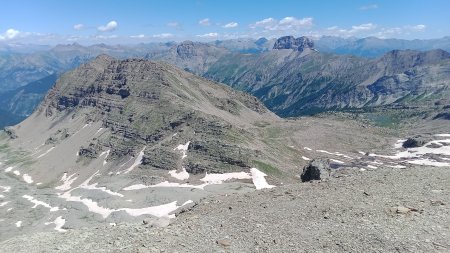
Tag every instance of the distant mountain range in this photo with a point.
(326, 73)
(293, 81)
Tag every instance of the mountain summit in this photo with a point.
(297, 44)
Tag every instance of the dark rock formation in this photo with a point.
(297, 44)
(415, 142)
(317, 169)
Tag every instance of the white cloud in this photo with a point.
(139, 36)
(368, 7)
(231, 25)
(103, 37)
(175, 25)
(10, 34)
(111, 26)
(362, 27)
(285, 24)
(163, 36)
(265, 23)
(78, 27)
(204, 22)
(417, 28)
(208, 35)
(354, 31)
(396, 31)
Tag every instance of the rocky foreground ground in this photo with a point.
(379, 210)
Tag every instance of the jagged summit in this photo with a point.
(296, 44)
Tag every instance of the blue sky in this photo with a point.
(120, 21)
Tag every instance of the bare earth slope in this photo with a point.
(362, 212)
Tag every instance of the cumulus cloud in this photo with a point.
(265, 23)
(231, 25)
(204, 22)
(163, 36)
(368, 7)
(208, 35)
(287, 23)
(111, 26)
(10, 34)
(78, 27)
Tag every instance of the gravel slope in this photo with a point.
(360, 211)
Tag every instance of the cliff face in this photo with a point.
(296, 44)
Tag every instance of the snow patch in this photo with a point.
(259, 179)
(85, 185)
(442, 135)
(106, 154)
(306, 158)
(18, 224)
(59, 222)
(337, 161)
(397, 166)
(335, 153)
(67, 182)
(306, 148)
(220, 178)
(183, 149)
(137, 161)
(16, 172)
(158, 211)
(39, 203)
(27, 178)
(164, 184)
(429, 162)
(416, 154)
(98, 131)
(46, 152)
(5, 188)
(182, 175)
(399, 144)
(9, 169)
(371, 167)
(4, 203)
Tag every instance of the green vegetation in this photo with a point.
(266, 168)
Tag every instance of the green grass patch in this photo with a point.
(266, 168)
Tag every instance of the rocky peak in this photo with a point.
(296, 44)
(186, 49)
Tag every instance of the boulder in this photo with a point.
(317, 169)
(415, 142)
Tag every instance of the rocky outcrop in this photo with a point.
(414, 142)
(296, 44)
(317, 169)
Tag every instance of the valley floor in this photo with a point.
(379, 210)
